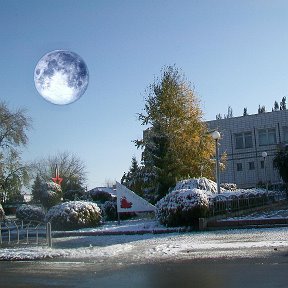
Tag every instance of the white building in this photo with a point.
(244, 139)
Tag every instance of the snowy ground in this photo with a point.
(156, 247)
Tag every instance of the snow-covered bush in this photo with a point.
(198, 183)
(2, 213)
(51, 194)
(229, 186)
(74, 215)
(182, 207)
(109, 209)
(186, 203)
(70, 195)
(30, 213)
(100, 196)
(192, 198)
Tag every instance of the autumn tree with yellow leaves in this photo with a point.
(176, 143)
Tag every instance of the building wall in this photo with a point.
(259, 133)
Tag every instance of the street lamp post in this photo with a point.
(264, 155)
(216, 136)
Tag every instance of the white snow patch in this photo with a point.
(150, 247)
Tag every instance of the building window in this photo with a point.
(243, 140)
(267, 136)
(251, 166)
(285, 134)
(239, 167)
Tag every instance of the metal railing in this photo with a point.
(224, 204)
(15, 232)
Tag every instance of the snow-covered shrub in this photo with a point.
(198, 183)
(109, 209)
(74, 215)
(30, 213)
(100, 196)
(51, 194)
(182, 207)
(2, 213)
(70, 195)
(229, 186)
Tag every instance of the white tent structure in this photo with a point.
(128, 201)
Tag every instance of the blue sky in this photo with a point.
(233, 52)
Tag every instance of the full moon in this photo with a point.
(61, 77)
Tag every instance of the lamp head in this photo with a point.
(215, 135)
(264, 154)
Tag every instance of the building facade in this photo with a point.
(244, 139)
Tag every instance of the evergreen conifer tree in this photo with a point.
(276, 106)
(245, 113)
(229, 113)
(280, 162)
(218, 116)
(261, 109)
(283, 103)
(36, 189)
(133, 178)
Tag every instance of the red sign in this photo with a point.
(57, 179)
(125, 204)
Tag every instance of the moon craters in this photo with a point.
(61, 77)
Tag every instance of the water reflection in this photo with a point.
(209, 273)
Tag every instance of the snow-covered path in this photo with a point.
(146, 248)
(225, 258)
(152, 247)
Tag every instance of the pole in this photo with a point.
(264, 155)
(49, 234)
(217, 167)
(118, 218)
(265, 170)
